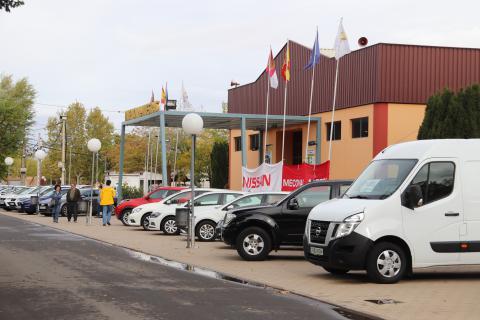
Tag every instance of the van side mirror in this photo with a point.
(293, 204)
(412, 197)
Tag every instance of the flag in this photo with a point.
(164, 96)
(286, 64)
(152, 98)
(341, 42)
(271, 72)
(315, 57)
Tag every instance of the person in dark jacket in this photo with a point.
(73, 196)
(57, 196)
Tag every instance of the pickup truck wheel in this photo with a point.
(145, 221)
(254, 244)
(124, 217)
(206, 231)
(386, 263)
(336, 271)
(169, 226)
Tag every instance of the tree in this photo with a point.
(452, 116)
(219, 164)
(16, 116)
(7, 4)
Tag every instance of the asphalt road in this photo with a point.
(50, 274)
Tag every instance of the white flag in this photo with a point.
(341, 42)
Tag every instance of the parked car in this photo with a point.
(140, 216)
(45, 202)
(10, 203)
(256, 231)
(85, 195)
(416, 205)
(207, 218)
(126, 206)
(12, 193)
(16, 203)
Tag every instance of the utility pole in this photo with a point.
(23, 169)
(70, 165)
(63, 118)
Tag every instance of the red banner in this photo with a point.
(295, 176)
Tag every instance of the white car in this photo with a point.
(6, 199)
(140, 215)
(164, 219)
(16, 203)
(207, 218)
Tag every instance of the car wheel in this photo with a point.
(206, 231)
(386, 263)
(169, 226)
(63, 211)
(336, 271)
(124, 217)
(254, 244)
(145, 221)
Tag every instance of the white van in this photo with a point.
(416, 205)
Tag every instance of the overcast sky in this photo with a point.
(112, 53)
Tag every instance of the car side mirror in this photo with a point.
(412, 197)
(168, 202)
(293, 204)
(230, 207)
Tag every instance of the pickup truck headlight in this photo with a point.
(348, 225)
(228, 218)
(155, 215)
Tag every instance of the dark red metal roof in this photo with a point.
(383, 72)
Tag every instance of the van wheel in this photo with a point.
(254, 244)
(206, 231)
(145, 221)
(336, 271)
(124, 217)
(169, 226)
(386, 263)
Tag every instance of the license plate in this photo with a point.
(2, 202)
(12, 204)
(316, 251)
(43, 206)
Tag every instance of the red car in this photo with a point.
(125, 207)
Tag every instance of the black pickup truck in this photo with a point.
(257, 231)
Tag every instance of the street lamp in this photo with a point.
(94, 146)
(8, 162)
(192, 124)
(39, 155)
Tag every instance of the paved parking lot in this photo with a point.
(440, 293)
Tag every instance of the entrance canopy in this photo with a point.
(229, 121)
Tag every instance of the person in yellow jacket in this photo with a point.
(107, 195)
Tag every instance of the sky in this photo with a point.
(113, 53)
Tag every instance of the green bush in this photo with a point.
(129, 192)
(219, 165)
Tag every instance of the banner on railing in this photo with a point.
(295, 176)
(266, 177)
(279, 177)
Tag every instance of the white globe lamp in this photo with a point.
(8, 161)
(40, 154)
(192, 124)
(94, 145)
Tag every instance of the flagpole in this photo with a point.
(266, 120)
(333, 110)
(284, 116)
(310, 110)
(156, 155)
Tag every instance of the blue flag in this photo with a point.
(315, 57)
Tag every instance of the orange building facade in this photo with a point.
(382, 96)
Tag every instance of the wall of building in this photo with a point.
(404, 120)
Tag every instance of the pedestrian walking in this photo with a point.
(73, 196)
(57, 196)
(107, 195)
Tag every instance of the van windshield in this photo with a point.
(380, 179)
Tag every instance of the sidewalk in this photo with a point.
(431, 294)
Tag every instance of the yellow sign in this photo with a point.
(142, 111)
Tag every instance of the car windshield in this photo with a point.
(380, 179)
(24, 191)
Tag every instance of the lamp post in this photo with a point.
(94, 146)
(39, 155)
(8, 162)
(192, 124)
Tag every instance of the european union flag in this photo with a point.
(315, 57)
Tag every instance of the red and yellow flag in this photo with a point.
(164, 96)
(286, 64)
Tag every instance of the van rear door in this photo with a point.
(433, 228)
(470, 232)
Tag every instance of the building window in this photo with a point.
(254, 142)
(238, 143)
(337, 130)
(360, 127)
